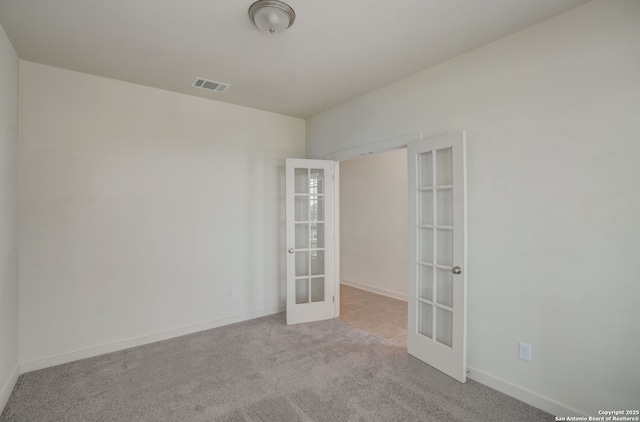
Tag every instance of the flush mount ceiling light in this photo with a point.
(271, 16)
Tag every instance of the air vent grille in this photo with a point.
(210, 85)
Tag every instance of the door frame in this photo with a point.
(398, 142)
(390, 144)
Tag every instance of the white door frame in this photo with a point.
(391, 144)
(386, 145)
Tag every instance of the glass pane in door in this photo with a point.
(316, 181)
(425, 283)
(425, 170)
(302, 264)
(444, 167)
(317, 289)
(444, 287)
(425, 319)
(301, 181)
(302, 208)
(317, 235)
(302, 291)
(426, 206)
(425, 245)
(317, 262)
(302, 236)
(444, 245)
(444, 326)
(316, 208)
(444, 207)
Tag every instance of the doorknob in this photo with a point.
(291, 250)
(456, 270)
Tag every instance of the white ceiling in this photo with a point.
(336, 49)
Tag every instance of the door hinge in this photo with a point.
(334, 299)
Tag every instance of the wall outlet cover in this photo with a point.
(524, 351)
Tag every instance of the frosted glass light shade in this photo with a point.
(271, 16)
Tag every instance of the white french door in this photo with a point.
(437, 253)
(310, 240)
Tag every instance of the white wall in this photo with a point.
(552, 115)
(140, 209)
(373, 223)
(9, 340)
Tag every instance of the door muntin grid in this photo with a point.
(435, 246)
(309, 203)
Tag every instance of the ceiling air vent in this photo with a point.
(209, 85)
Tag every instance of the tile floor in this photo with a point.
(382, 316)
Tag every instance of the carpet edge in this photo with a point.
(89, 352)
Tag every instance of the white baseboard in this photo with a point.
(139, 341)
(8, 387)
(372, 289)
(524, 395)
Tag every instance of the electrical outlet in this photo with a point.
(524, 351)
(234, 293)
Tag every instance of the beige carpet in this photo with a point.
(259, 370)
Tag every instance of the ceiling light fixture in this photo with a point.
(271, 16)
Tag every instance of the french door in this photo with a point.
(310, 240)
(437, 253)
(437, 248)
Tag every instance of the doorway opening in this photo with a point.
(374, 244)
